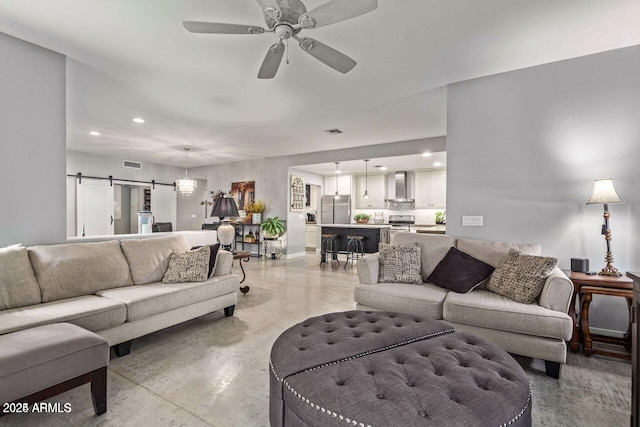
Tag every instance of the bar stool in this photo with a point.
(329, 244)
(355, 249)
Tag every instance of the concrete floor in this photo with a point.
(213, 371)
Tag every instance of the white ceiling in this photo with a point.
(133, 58)
(397, 163)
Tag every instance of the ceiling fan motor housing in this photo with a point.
(284, 31)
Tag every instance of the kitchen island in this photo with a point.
(373, 234)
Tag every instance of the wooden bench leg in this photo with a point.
(99, 390)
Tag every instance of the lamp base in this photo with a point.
(610, 271)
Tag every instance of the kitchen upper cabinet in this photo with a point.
(377, 190)
(431, 190)
(344, 185)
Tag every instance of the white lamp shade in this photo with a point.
(226, 233)
(603, 192)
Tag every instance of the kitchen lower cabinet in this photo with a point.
(310, 236)
(373, 236)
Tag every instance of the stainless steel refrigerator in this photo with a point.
(336, 211)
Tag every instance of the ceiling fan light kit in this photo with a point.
(286, 18)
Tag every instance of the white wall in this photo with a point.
(271, 175)
(32, 143)
(190, 205)
(524, 147)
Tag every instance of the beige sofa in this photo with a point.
(536, 330)
(111, 288)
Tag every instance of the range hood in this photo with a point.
(402, 200)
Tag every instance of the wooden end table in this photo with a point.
(242, 256)
(584, 287)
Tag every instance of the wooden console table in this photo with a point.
(584, 287)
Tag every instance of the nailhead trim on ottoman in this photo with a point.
(435, 377)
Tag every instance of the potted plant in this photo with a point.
(256, 208)
(272, 228)
(362, 218)
(439, 217)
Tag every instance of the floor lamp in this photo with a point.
(224, 208)
(605, 194)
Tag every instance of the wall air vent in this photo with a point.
(131, 165)
(333, 131)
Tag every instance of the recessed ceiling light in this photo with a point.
(94, 133)
(138, 120)
(437, 164)
(382, 168)
(426, 154)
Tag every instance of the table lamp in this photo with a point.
(223, 208)
(604, 194)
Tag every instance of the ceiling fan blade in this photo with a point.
(336, 11)
(219, 28)
(271, 62)
(268, 3)
(328, 55)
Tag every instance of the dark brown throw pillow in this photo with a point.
(460, 272)
(212, 257)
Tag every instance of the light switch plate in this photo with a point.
(193, 216)
(472, 221)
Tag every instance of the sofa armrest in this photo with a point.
(557, 292)
(224, 259)
(368, 268)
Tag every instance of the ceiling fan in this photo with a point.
(286, 18)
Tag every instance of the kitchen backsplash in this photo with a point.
(423, 216)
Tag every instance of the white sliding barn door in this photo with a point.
(164, 204)
(94, 207)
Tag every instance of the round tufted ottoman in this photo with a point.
(365, 368)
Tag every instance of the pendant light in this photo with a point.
(337, 196)
(186, 185)
(366, 179)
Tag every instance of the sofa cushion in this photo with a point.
(521, 277)
(18, 286)
(89, 312)
(433, 247)
(149, 258)
(74, 269)
(400, 264)
(423, 300)
(489, 310)
(493, 253)
(460, 272)
(190, 266)
(146, 300)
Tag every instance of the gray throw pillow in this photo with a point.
(192, 266)
(400, 264)
(521, 277)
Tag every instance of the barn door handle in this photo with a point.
(111, 219)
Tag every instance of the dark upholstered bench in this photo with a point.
(41, 362)
(389, 369)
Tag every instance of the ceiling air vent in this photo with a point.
(131, 165)
(333, 131)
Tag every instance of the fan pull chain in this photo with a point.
(287, 51)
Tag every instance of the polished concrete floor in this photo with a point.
(213, 371)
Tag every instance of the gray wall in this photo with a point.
(190, 205)
(104, 166)
(32, 143)
(271, 176)
(123, 225)
(524, 147)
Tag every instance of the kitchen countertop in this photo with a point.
(431, 229)
(356, 225)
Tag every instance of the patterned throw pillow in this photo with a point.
(521, 277)
(191, 266)
(400, 264)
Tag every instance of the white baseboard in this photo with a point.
(607, 332)
(291, 256)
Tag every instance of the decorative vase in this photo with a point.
(256, 218)
(362, 220)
